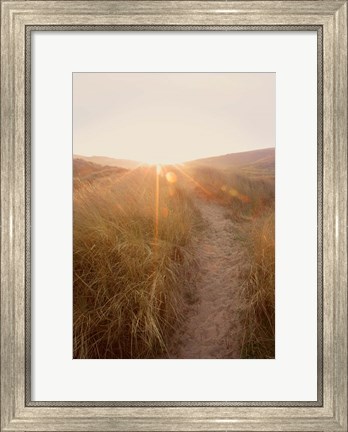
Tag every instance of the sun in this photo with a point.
(161, 160)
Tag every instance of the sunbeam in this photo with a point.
(193, 180)
(158, 170)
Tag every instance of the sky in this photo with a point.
(172, 117)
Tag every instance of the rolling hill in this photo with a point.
(108, 161)
(263, 159)
(260, 159)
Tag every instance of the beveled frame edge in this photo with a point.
(15, 414)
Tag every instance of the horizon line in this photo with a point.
(185, 161)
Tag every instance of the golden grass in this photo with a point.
(245, 195)
(258, 293)
(129, 275)
(133, 259)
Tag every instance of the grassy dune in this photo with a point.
(134, 259)
(131, 256)
(244, 194)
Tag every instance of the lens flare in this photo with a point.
(171, 177)
(158, 171)
(234, 192)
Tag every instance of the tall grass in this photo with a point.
(258, 293)
(131, 256)
(245, 195)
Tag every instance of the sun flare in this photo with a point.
(161, 160)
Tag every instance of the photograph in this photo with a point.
(174, 215)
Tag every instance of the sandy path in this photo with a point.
(211, 328)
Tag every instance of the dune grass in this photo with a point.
(132, 260)
(244, 194)
(258, 292)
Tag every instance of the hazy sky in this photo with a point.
(172, 117)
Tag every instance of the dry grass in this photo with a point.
(244, 194)
(131, 279)
(128, 274)
(258, 293)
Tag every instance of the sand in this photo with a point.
(211, 328)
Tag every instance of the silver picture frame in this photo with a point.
(18, 20)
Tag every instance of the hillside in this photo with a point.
(261, 159)
(175, 261)
(108, 161)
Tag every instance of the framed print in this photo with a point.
(174, 215)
